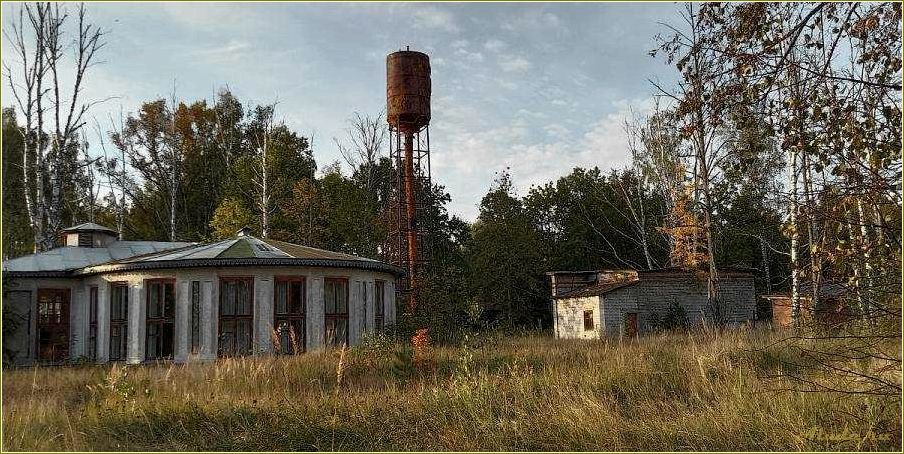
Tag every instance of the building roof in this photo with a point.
(245, 250)
(63, 260)
(602, 287)
(90, 227)
(666, 270)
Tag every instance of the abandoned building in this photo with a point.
(102, 299)
(591, 304)
(832, 307)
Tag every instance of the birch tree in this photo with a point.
(49, 99)
(262, 129)
(365, 137)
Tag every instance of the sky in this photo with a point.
(535, 88)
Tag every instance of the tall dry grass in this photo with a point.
(702, 391)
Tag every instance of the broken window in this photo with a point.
(289, 314)
(236, 316)
(588, 320)
(53, 324)
(119, 320)
(379, 310)
(85, 240)
(160, 297)
(195, 316)
(92, 323)
(336, 311)
(364, 306)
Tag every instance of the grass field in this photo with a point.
(705, 391)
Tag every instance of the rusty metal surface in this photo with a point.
(408, 90)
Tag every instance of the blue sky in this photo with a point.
(538, 88)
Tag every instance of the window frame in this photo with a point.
(234, 319)
(194, 314)
(121, 323)
(162, 322)
(335, 317)
(291, 318)
(379, 305)
(92, 322)
(85, 239)
(54, 321)
(588, 317)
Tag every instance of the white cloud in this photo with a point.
(533, 20)
(434, 18)
(507, 84)
(494, 45)
(473, 57)
(207, 14)
(231, 51)
(509, 63)
(466, 154)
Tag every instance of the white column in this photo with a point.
(182, 321)
(103, 322)
(78, 321)
(314, 313)
(137, 326)
(263, 314)
(390, 295)
(209, 313)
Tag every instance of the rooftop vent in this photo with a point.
(89, 235)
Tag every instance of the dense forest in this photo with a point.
(778, 150)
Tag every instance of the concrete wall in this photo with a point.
(24, 300)
(654, 295)
(569, 320)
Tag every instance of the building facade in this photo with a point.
(592, 304)
(100, 299)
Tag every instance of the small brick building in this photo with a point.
(832, 309)
(589, 304)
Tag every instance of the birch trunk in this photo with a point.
(815, 268)
(795, 237)
(265, 194)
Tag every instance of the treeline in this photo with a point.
(778, 150)
(803, 102)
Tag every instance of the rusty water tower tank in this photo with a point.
(408, 90)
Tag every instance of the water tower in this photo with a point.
(408, 114)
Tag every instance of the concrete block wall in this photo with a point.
(654, 295)
(569, 323)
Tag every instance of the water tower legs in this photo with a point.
(411, 220)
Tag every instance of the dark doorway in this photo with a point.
(631, 324)
(53, 324)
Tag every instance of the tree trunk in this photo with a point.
(795, 237)
(764, 253)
